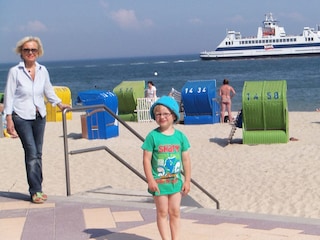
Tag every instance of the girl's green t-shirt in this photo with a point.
(166, 159)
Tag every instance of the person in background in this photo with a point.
(165, 155)
(24, 107)
(226, 93)
(151, 91)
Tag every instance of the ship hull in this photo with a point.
(256, 54)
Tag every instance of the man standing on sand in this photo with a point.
(226, 93)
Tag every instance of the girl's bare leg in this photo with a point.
(174, 215)
(162, 216)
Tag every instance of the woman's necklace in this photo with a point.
(31, 71)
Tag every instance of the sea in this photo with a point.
(302, 75)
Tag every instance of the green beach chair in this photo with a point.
(127, 93)
(265, 112)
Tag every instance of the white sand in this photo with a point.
(280, 179)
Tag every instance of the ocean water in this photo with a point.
(302, 75)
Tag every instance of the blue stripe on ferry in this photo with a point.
(274, 46)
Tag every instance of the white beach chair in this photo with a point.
(143, 109)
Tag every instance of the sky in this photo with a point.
(89, 29)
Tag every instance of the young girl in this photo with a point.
(165, 155)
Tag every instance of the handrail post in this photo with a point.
(66, 151)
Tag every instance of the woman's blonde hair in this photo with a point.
(18, 49)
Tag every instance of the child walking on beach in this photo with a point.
(165, 155)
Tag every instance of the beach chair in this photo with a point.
(128, 92)
(200, 102)
(265, 112)
(97, 123)
(53, 112)
(143, 109)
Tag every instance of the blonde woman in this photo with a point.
(27, 85)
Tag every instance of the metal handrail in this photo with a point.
(105, 108)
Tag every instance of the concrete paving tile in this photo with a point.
(146, 231)
(99, 218)
(23, 205)
(127, 216)
(11, 228)
(40, 224)
(69, 222)
(285, 232)
(43, 205)
(14, 205)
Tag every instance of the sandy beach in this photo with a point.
(280, 179)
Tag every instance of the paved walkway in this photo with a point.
(84, 217)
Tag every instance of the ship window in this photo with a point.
(277, 40)
(295, 39)
(273, 40)
(259, 41)
(246, 42)
(312, 39)
(263, 41)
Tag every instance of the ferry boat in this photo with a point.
(271, 41)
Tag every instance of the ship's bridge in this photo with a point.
(232, 35)
(270, 28)
(276, 31)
